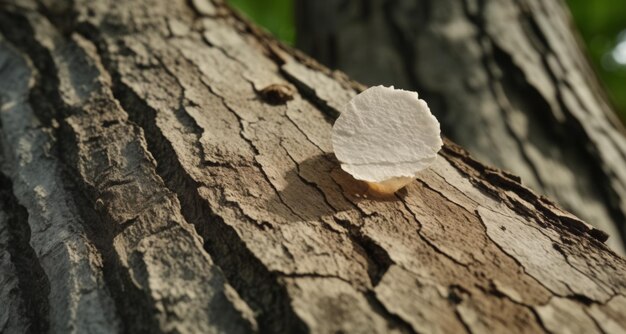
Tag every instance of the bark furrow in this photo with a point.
(78, 297)
(135, 215)
(23, 284)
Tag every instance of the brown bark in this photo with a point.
(174, 168)
(507, 79)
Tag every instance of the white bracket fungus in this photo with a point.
(384, 136)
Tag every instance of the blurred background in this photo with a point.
(601, 23)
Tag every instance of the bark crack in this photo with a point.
(100, 231)
(394, 319)
(256, 285)
(311, 184)
(595, 321)
(254, 148)
(424, 238)
(32, 280)
(494, 291)
(440, 193)
(241, 124)
(376, 255)
(490, 180)
(310, 94)
(572, 294)
(295, 124)
(44, 93)
(610, 292)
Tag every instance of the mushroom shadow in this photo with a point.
(318, 187)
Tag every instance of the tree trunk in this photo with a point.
(507, 79)
(161, 173)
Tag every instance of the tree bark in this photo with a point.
(507, 79)
(167, 167)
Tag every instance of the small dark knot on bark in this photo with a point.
(277, 93)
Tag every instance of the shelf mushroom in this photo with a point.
(385, 136)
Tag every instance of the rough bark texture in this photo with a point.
(507, 79)
(167, 168)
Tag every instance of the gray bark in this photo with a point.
(507, 79)
(167, 167)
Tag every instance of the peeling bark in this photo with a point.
(507, 79)
(138, 138)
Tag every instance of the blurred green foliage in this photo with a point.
(600, 23)
(275, 15)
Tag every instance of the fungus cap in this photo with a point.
(385, 136)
